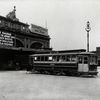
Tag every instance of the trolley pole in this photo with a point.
(88, 30)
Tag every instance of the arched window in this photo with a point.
(19, 43)
(36, 45)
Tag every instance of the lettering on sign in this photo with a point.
(39, 30)
(6, 39)
(13, 26)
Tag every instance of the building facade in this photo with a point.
(18, 41)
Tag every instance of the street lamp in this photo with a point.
(88, 28)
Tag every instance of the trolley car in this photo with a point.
(84, 63)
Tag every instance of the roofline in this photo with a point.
(7, 19)
(73, 53)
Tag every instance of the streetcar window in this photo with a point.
(85, 60)
(50, 58)
(68, 58)
(58, 58)
(73, 58)
(63, 58)
(54, 58)
(35, 58)
(80, 60)
(93, 59)
(42, 58)
(38, 58)
(46, 58)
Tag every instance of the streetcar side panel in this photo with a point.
(57, 63)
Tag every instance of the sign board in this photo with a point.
(6, 39)
(13, 26)
(39, 30)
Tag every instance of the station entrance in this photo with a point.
(13, 59)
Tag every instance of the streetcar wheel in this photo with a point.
(46, 72)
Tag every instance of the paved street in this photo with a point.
(19, 85)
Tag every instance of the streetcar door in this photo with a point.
(83, 64)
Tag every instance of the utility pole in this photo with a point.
(88, 28)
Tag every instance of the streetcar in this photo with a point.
(83, 63)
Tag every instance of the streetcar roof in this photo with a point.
(50, 54)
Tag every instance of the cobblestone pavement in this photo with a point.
(19, 85)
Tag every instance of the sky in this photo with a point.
(66, 20)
